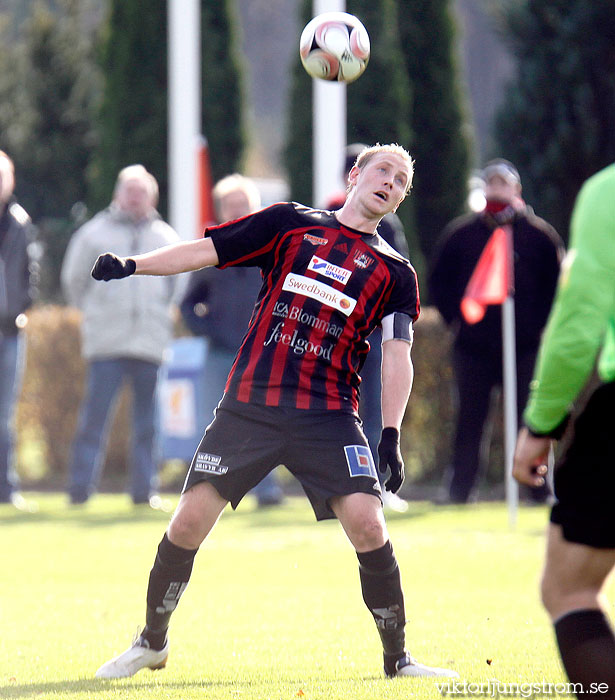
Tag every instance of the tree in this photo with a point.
(440, 146)
(222, 87)
(377, 104)
(134, 118)
(556, 122)
(48, 125)
(133, 112)
(376, 107)
(48, 86)
(298, 149)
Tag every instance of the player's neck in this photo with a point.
(366, 222)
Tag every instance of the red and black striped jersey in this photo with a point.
(325, 288)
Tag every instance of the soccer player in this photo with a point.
(579, 338)
(292, 395)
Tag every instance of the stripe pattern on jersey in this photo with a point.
(305, 345)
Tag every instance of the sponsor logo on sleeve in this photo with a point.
(327, 269)
(299, 284)
(360, 461)
(205, 462)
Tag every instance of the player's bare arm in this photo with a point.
(178, 257)
(397, 377)
(184, 256)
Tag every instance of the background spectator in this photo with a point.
(125, 329)
(17, 280)
(477, 349)
(218, 305)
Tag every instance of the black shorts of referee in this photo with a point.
(326, 451)
(585, 474)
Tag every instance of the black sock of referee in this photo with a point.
(381, 588)
(167, 581)
(587, 647)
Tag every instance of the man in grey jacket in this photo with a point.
(17, 287)
(124, 331)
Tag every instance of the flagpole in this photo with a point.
(509, 368)
(492, 282)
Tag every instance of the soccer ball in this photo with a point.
(334, 46)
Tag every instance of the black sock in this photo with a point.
(587, 647)
(382, 593)
(167, 581)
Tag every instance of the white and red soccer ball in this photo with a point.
(334, 46)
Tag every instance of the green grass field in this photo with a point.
(274, 608)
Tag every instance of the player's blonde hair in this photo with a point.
(236, 183)
(370, 151)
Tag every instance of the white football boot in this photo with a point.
(134, 659)
(407, 666)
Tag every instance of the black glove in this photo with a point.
(111, 267)
(389, 455)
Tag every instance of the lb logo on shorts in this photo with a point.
(360, 461)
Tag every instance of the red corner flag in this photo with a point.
(206, 213)
(492, 279)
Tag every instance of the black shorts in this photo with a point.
(326, 451)
(585, 474)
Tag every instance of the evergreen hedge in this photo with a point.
(556, 122)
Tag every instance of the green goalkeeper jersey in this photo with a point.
(581, 326)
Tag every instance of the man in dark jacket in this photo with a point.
(16, 294)
(218, 305)
(477, 351)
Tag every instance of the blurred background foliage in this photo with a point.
(83, 87)
(409, 95)
(54, 385)
(558, 120)
(82, 99)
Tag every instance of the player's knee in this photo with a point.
(369, 534)
(185, 529)
(560, 594)
(179, 533)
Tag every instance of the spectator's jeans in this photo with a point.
(105, 379)
(12, 356)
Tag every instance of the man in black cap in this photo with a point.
(477, 350)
